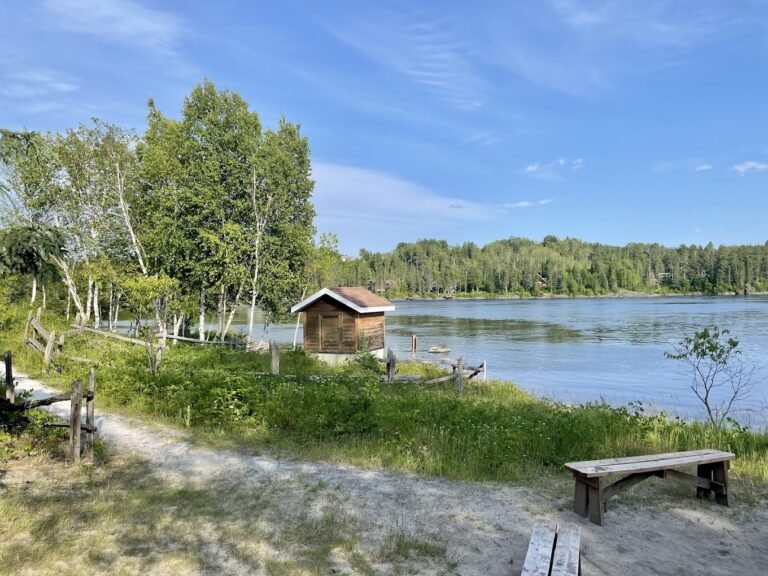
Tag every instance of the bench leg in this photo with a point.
(595, 503)
(720, 474)
(580, 499)
(704, 471)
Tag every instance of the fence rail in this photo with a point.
(76, 398)
(460, 371)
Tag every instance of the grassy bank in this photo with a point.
(492, 431)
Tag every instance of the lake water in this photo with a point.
(577, 350)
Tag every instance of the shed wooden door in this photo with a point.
(330, 333)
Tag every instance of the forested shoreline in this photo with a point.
(568, 267)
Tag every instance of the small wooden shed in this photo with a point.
(338, 322)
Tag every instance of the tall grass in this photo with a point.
(491, 431)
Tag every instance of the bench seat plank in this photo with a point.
(649, 463)
(539, 555)
(566, 561)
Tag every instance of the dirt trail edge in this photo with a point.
(485, 528)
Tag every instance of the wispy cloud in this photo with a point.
(527, 203)
(703, 168)
(428, 52)
(483, 138)
(552, 170)
(124, 21)
(374, 209)
(340, 189)
(580, 47)
(749, 166)
(30, 84)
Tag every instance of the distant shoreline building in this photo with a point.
(339, 322)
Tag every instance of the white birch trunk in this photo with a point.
(88, 301)
(127, 219)
(231, 316)
(96, 307)
(111, 307)
(34, 291)
(260, 219)
(298, 319)
(251, 314)
(201, 323)
(45, 299)
(177, 322)
(117, 310)
(70, 283)
(69, 303)
(222, 311)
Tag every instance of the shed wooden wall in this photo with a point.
(371, 327)
(349, 326)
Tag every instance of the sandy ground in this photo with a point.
(484, 527)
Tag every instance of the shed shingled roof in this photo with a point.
(358, 298)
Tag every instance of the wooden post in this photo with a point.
(414, 342)
(26, 326)
(391, 365)
(275, 357)
(595, 502)
(39, 314)
(75, 410)
(10, 391)
(459, 382)
(485, 370)
(49, 348)
(704, 471)
(720, 475)
(90, 420)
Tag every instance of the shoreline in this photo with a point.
(616, 295)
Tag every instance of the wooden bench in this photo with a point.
(591, 495)
(553, 550)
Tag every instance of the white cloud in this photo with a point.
(376, 210)
(552, 170)
(703, 168)
(124, 21)
(749, 166)
(527, 204)
(342, 190)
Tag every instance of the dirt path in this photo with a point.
(484, 528)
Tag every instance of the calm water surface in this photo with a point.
(578, 350)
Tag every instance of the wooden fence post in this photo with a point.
(10, 391)
(414, 342)
(49, 348)
(459, 382)
(275, 357)
(391, 365)
(485, 370)
(90, 420)
(26, 326)
(75, 410)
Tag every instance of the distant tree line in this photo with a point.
(556, 266)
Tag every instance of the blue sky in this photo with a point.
(610, 121)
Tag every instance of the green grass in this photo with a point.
(491, 432)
